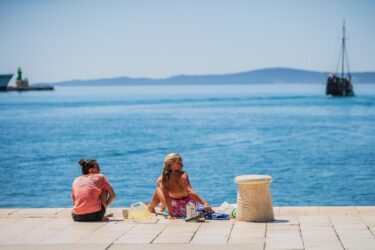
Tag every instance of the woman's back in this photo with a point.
(86, 191)
(173, 185)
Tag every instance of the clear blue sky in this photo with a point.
(64, 40)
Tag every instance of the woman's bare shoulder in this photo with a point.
(158, 181)
(184, 176)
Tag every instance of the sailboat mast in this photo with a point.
(343, 51)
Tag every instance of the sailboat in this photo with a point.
(341, 85)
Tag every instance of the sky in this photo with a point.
(87, 39)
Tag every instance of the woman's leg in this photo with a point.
(103, 198)
(157, 198)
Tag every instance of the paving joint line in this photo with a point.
(230, 233)
(300, 232)
(109, 246)
(158, 234)
(334, 229)
(113, 242)
(120, 236)
(61, 209)
(16, 210)
(367, 226)
(89, 233)
(195, 232)
(265, 237)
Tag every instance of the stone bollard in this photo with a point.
(254, 202)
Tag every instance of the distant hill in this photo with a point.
(270, 75)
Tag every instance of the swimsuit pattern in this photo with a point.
(179, 206)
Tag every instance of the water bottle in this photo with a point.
(190, 210)
(234, 212)
(138, 211)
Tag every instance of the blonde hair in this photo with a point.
(168, 160)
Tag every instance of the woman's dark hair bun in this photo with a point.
(82, 162)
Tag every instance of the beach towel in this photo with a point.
(214, 216)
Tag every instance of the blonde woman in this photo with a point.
(174, 190)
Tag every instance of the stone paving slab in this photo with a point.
(40, 232)
(4, 212)
(213, 232)
(56, 247)
(186, 247)
(368, 220)
(365, 210)
(337, 211)
(293, 228)
(177, 232)
(19, 228)
(141, 234)
(299, 210)
(359, 243)
(36, 213)
(244, 232)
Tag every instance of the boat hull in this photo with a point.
(4, 81)
(338, 86)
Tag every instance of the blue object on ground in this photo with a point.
(201, 210)
(214, 216)
(217, 216)
(165, 212)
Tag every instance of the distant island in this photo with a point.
(261, 76)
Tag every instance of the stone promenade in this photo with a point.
(294, 228)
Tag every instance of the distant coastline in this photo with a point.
(261, 76)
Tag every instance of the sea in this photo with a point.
(319, 150)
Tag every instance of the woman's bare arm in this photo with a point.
(167, 199)
(185, 183)
(112, 196)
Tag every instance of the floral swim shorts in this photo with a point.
(179, 205)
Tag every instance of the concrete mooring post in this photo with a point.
(254, 202)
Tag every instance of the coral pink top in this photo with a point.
(86, 191)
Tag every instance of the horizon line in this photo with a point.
(197, 75)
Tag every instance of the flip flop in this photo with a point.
(201, 214)
(108, 214)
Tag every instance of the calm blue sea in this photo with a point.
(319, 150)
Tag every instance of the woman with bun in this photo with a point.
(91, 194)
